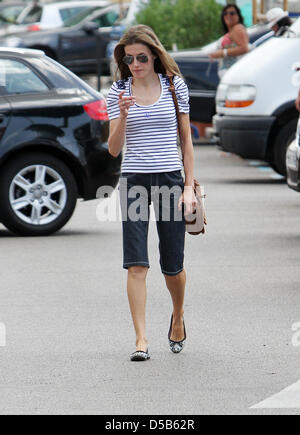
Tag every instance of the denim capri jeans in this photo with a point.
(137, 192)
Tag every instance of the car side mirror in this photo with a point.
(90, 27)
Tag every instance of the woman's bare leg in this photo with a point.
(176, 286)
(137, 296)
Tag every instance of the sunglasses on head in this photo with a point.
(231, 13)
(142, 58)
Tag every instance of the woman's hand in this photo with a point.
(188, 198)
(117, 129)
(125, 103)
(216, 55)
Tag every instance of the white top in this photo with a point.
(151, 132)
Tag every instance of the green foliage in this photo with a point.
(188, 23)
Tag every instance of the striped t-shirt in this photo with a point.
(151, 132)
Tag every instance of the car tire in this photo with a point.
(283, 140)
(38, 194)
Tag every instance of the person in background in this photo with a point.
(235, 41)
(279, 21)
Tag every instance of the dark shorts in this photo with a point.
(137, 191)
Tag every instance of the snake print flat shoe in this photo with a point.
(140, 355)
(176, 346)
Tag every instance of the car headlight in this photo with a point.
(234, 96)
(11, 42)
(221, 95)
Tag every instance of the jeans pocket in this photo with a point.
(176, 178)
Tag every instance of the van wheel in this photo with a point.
(282, 142)
(38, 194)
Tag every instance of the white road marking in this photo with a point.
(289, 398)
(264, 167)
(256, 163)
(277, 176)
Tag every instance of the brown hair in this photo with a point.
(164, 63)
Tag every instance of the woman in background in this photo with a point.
(235, 41)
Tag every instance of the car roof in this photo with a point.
(70, 4)
(12, 4)
(99, 12)
(22, 52)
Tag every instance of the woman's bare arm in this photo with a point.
(117, 134)
(240, 36)
(188, 198)
(187, 148)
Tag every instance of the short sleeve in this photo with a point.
(182, 93)
(113, 102)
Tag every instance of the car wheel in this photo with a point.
(282, 142)
(38, 194)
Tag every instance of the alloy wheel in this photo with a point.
(38, 195)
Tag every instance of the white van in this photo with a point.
(256, 114)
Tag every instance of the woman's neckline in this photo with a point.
(156, 102)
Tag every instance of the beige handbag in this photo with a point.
(195, 223)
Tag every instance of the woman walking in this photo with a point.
(142, 113)
(235, 41)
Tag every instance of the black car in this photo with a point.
(53, 143)
(78, 44)
(202, 77)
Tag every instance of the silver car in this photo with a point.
(48, 15)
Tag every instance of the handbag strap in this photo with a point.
(197, 188)
(173, 91)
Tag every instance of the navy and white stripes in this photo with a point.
(151, 133)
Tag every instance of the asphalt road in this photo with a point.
(68, 329)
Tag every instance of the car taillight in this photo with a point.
(33, 28)
(97, 110)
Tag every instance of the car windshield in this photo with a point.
(10, 14)
(18, 78)
(33, 15)
(78, 18)
(67, 14)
